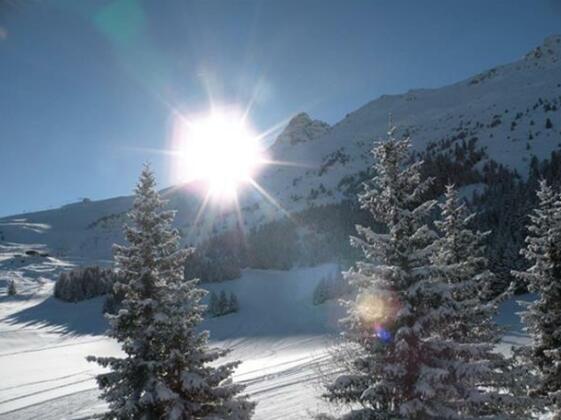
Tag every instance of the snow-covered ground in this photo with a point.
(279, 335)
(282, 339)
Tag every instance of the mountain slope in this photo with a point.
(509, 113)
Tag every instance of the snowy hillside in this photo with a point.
(278, 333)
(280, 336)
(511, 112)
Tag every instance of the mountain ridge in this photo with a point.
(503, 111)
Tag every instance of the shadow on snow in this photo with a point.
(81, 318)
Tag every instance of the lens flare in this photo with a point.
(383, 334)
(376, 312)
(371, 308)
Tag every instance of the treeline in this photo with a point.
(314, 236)
(503, 208)
(451, 161)
(84, 283)
(217, 259)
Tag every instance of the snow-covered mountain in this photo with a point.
(511, 112)
(301, 129)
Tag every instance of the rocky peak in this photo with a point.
(550, 50)
(302, 129)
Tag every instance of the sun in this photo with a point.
(218, 149)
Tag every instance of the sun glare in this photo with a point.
(218, 149)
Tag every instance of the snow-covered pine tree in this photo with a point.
(12, 291)
(402, 364)
(459, 258)
(166, 372)
(394, 372)
(542, 317)
(486, 382)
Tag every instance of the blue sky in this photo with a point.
(85, 85)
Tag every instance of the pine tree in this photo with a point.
(488, 383)
(403, 362)
(543, 316)
(166, 372)
(233, 304)
(321, 292)
(12, 291)
(394, 372)
(460, 257)
(213, 305)
(222, 303)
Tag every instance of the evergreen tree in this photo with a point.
(489, 383)
(404, 365)
(12, 291)
(543, 316)
(394, 372)
(460, 258)
(166, 372)
(321, 292)
(213, 305)
(233, 304)
(84, 283)
(222, 303)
